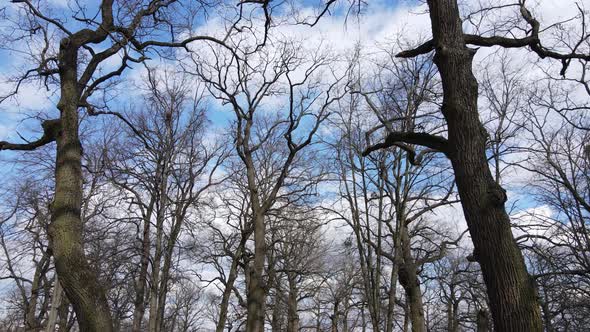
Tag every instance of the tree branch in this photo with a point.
(533, 41)
(50, 130)
(398, 139)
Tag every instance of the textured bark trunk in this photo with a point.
(511, 292)
(408, 278)
(256, 288)
(78, 279)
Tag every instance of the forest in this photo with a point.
(294, 165)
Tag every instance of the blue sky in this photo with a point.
(33, 97)
(379, 22)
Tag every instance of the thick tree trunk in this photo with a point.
(510, 290)
(78, 279)
(408, 278)
(256, 289)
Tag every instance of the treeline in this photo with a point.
(247, 179)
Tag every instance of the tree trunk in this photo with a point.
(452, 306)
(334, 317)
(256, 288)
(179, 217)
(408, 278)
(78, 279)
(547, 315)
(32, 322)
(292, 315)
(482, 321)
(276, 324)
(55, 304)
(229, 284)
(391, 296)
(511, 292)
(139, 302)
(154, 321)
(64, 313)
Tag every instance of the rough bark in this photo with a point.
(408, 278)
(78, 279)
(512, 296)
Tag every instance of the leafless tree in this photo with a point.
(513, 300)
(247, 84)
(164, 172)
(70, 61)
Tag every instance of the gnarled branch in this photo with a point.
(50, 130)
(401, 140)
(533, 41)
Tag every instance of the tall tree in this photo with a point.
(76, 65)
(513, 299)
(269, 146)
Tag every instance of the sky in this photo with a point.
(381, 22)
(379, 25)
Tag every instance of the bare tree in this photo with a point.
(70, 61)
(513, 300)
(164, 172)
(246, 84)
